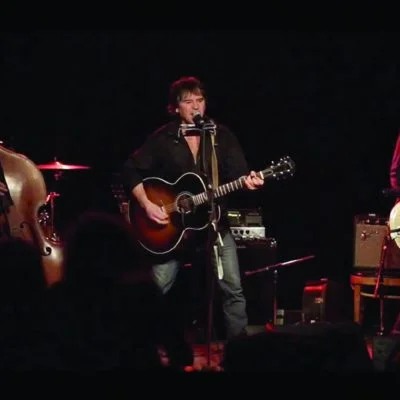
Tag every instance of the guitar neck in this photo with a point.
(222, 190)
(275, 171)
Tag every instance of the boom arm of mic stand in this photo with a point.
(278, 265)
(274, 268)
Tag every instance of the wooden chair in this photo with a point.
(377, 252)
(361, 282)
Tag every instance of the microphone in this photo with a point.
(198, 120)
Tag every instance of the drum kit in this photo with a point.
(47, 219)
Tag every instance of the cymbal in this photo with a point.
(57, 165)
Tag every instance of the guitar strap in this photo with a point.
(219, 243)
(214, 163)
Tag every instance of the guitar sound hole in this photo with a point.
(184, 203)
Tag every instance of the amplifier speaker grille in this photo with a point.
(369, 238)
(369, 241)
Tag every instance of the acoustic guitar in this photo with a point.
(187, 202)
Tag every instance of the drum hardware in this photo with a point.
(274, 268)
(50, 200)
(44, 221)
(44, 217)
(47, 219)
(59, 166)
(118, 192)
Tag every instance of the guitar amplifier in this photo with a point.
(245, 217)
(371, 233)
(248, 232)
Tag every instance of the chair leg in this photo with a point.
(357, 304)
(381, 330)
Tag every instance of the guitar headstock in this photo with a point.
(281, 169)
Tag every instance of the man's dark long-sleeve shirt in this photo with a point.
(167, 155)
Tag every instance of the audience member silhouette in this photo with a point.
(23, 307)
(107, 310)
(320, 347)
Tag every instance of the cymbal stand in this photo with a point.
(50, 199)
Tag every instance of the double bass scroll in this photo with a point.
(28, 192)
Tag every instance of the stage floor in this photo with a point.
(209, 357)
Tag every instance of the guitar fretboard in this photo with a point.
(283, 168)
(220, 191)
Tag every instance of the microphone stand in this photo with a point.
(378, 285)
(212, 244)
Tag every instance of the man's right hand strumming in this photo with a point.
(156, 213)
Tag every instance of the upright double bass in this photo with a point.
(28, 193)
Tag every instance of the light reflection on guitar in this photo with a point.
(186, 202)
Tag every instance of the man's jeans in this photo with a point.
(233, 300)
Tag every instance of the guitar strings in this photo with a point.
(238, 183)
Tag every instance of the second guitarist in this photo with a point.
(173, 150)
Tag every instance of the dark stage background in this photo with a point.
(330, 101)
